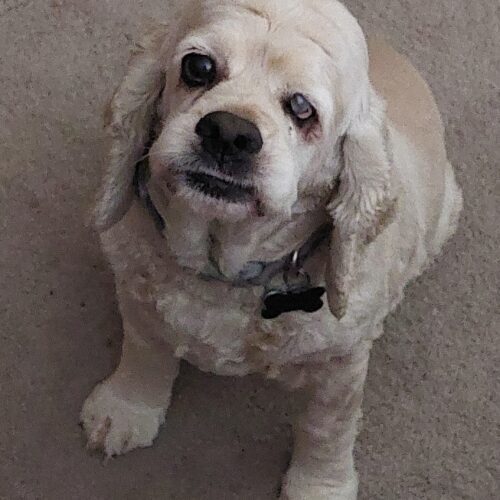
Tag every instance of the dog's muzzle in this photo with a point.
(229, 147)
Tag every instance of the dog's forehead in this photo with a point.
(296, 34)
(322, 20)
(275, 11)
(296, 27)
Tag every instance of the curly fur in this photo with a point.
(376, 164)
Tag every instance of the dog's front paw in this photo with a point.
(300, 487)
(115, 425)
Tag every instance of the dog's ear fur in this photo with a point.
(364, 202)
(128, 122)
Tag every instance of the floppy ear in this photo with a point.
(364, 201)
(128, 121)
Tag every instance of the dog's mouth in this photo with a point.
(221, 189)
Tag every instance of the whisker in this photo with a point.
(149, 154)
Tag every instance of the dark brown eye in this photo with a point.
(198, 70)
(300, 108)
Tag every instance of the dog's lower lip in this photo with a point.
(219, 188)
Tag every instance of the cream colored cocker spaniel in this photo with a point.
(258, 166)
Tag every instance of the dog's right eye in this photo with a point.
(198, 70)
(300, 108)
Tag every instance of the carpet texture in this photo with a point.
(431, 411)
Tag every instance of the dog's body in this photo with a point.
(171, 311)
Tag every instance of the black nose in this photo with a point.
(227, 136)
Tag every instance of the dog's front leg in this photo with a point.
(126, 410)
(322, 466)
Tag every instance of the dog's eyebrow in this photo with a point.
(317, 43)
(256, 12)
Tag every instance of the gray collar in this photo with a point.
(141, 178)
(260, 273)
(254, 273)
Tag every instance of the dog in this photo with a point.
(274, 181)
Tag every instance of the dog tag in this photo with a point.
(305, 299)
(295, 294)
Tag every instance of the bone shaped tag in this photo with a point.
(306, 299)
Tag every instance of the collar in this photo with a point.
(140, 182)
(260, 273)
(254, 273)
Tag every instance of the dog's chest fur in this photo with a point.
(214, 325)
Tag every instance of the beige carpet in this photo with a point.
(432, 402)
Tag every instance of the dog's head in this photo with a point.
(252, 106)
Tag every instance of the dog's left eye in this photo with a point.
(198, 70)
(300, 108)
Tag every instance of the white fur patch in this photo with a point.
(115, 425)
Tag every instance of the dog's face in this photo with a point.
(254, 104)
(261, 103)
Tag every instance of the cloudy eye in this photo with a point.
(198, 70)
(301, 108)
